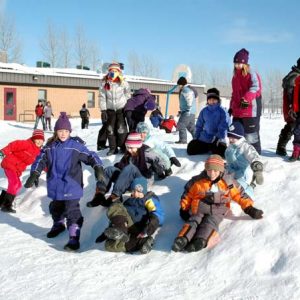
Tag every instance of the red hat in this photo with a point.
(214, 162)
(114, 66)
(38, 134)
(134, 140)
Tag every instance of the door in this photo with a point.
(10, 104)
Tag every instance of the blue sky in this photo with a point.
(206, 32)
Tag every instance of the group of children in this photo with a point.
(133, 222)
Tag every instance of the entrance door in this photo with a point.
(10, 104)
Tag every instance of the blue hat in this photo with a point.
(63, 122)
(143, 127)
(236, 130)
(139, 184)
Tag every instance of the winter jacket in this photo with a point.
(116, 97)
(147, 161)
(169, 124)
(63, 160)
(39, 110)
(239, 156)
(84, 113)
(19, 154)
(212, 123)
(139, 208)
(141, 101)
(226, 191)
(156, 118)
(48, 111)
(249, 88)
(187, 100)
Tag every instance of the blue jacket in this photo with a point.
(140, 207)
(212, 123)
(63, 161)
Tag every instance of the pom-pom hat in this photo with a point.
(63, 122)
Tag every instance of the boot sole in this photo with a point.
(147, 246)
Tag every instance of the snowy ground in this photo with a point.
(256, 259)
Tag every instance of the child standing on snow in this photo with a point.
(241, 157)
(48, 113)
(133, 223)
(62, 156)
(85, 117)
(16, 157)
(207, 201)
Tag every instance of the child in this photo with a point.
(139, 160)
(211, 127)
(48, 113)
(168, 124)
(208, 201)
(17, 156)
(62, 156)
(240, 157)
(159, 147)
(156, 117)
(133, 223)
(85, 116)
(137, 107)
(39, 115)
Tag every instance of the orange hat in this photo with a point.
(214, 162)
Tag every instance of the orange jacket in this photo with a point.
(226, 192)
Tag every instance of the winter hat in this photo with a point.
(182, 81)
(236, 130)
(214, 162)
(134, 140)
(114, 66)
(63, 122)
(213, 93)
(139, 184)
(142, 127)
(38, 134)
(241, 57)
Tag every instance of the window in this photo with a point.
(42, 96)
(9, 98)
(156, 99)
(91, 100)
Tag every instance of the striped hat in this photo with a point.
(214, 162)
(134, 140)
(38, 134)
(114, 66)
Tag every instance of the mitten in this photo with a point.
(257, 168)
(33, 179)
(99, 173)
(244, 103)
(175, 161)
(253, 212)
(230, 112)
(184, 214)
(104, 116)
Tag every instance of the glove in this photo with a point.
(253, 212)
(104, 116)
(292, 114)
(184, 214)
(33, 179)
(168, 172)
(175, 161)
(99, 173)
(257, 168)
(230, 112)
(244, 103)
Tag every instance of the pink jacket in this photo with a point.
(249, 88)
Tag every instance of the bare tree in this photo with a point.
(133, 63)
(66, 46)
(10, 45)
(200, 74)
(95, 60)
(50, 45)
(81, 47)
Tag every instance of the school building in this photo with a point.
(21, 88)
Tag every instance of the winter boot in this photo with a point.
(8, 200)
(296, 153)
(2, 197)
(73, 243)
(118, 229)
(284, 137)
(196, 245)
(112, 145)
(179, 243)
(99, 199)
(57, 228)
(147, 245)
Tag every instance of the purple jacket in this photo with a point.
(63, 161)
(141, 101)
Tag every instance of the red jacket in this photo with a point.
(168, 124)
(39, 110)
(19, 154)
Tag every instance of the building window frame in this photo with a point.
(42, 95)
(91, 99)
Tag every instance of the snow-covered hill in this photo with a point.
(256, 259)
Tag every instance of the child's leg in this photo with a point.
(57, 208)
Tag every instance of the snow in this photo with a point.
(256, 259)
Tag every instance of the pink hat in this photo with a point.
(38, 134)
(134, 140)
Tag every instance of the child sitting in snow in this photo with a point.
(62, 156)
(17, 156)
(168, 124)
(158, 146)
(207, 201)
(241, 157)
(133, 223)
(138, 160)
